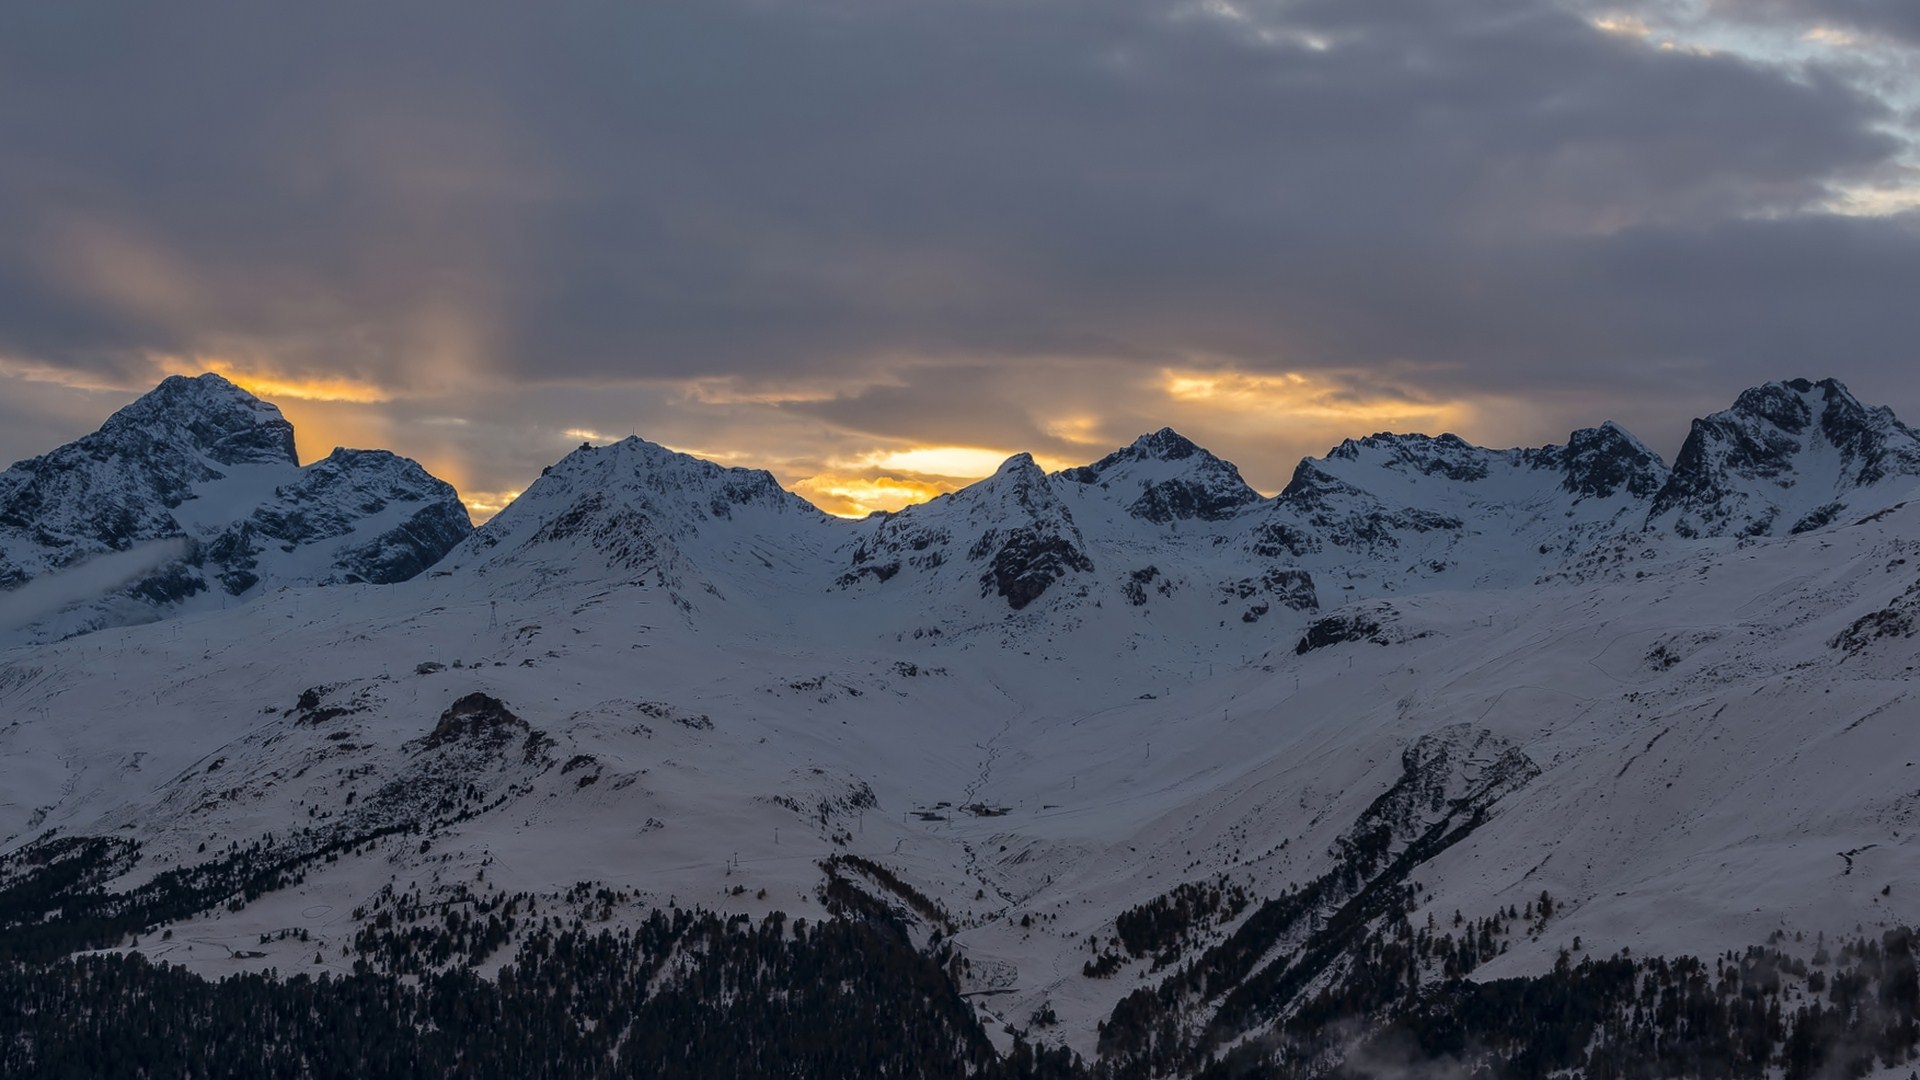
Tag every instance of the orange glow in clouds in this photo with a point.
(276, 387)
(892, 479)
(855, 496)
(1308, 401)
(1280, 414)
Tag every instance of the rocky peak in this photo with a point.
(1164, 445)
(1446, 455)
(666, 476)
(665, 481)
(205, 414)
(1598, 463)
(1169, 478)
(341, 498)
(1312, 484)
(631, 504)
(201, 459)
(1781, 404)
(1020, 483)
(1786, 457)
(1872, 442)
(1010, 533)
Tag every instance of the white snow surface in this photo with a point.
(1715, 720)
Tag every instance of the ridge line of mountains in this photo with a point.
(1445, 761)
(1161, 524)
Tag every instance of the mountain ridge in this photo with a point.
(1334, 784)
(1160, 526)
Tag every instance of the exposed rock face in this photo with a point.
(1027, 561)
(201, 459)
(1347, 516)
(1339, 629)
(1787, 457)
(1177, 480)
(118, 486)
(1443, 455)
(1601, 462)
(332, 499)
(477, 718)
(1010, 532)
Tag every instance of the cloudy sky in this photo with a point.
(877, 245)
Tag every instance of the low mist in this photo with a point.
(86, 580)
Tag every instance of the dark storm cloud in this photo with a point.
(923, 198)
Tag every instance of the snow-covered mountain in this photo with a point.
(1000, 544)
(1164, 478)
(1443, 761)
(1787, 457)
(201, 462)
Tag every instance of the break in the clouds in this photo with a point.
(828, 234)
(1897, 18)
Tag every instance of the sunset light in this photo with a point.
(1062, 540)
(274, 385)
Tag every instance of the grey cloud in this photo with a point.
(976, 195)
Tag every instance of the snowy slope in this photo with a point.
(1391, 510)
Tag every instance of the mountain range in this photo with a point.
(1550, 761)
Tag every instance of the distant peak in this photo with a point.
(1019, 463)
(1782, 404)
(208, 414)
(1446, 455)
(177, 390)
(1610, 431)
(1199, 485)
(633, 471)
(1599, 462)
(1166, 445)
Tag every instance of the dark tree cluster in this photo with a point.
(53, 899)
(1162, 926)
(1332, 979)
(775, 998)
(840, 892)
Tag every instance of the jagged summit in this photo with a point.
(1445, 455)
(1005, 540)
(1163, 445)
(334, 499)
(205, 461)
(1160, 526)
(1598, 463)
(1787, 457)
(205, 414)
(1165, 477)
(118, 485)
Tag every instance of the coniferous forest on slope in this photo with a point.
(594, 988)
